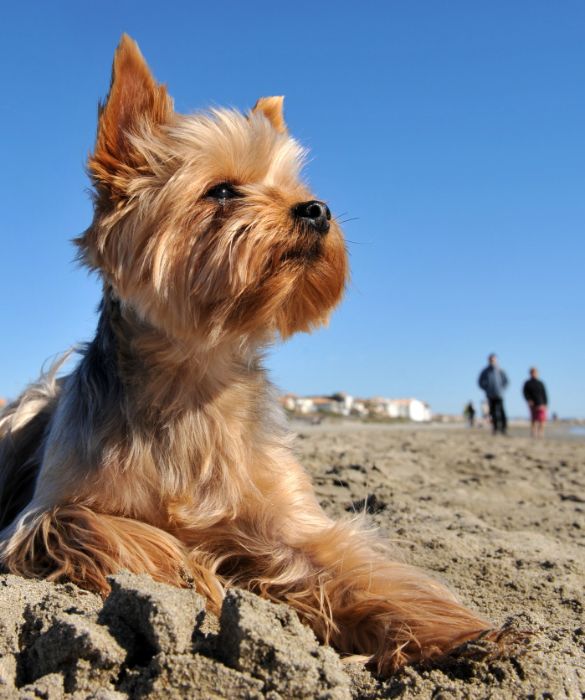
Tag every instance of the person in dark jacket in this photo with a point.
(469, 413)
(494, 381)
(537, 399)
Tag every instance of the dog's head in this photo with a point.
(202, 224)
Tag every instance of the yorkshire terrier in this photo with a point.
(164, 450)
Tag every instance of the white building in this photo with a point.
(407, 409)
(345, 405)
(359, 407)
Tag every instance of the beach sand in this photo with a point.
(500, 520)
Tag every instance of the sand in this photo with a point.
(499, 519)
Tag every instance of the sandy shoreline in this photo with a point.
(561, 430)
(501, 520)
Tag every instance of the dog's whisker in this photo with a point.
(348, 240)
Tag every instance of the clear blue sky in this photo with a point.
(451, 133)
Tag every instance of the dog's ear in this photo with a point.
(135, 103)
(272, 109)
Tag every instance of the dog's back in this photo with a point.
(23, 425)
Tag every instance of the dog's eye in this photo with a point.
(223, 191)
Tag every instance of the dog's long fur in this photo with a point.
(163, 451)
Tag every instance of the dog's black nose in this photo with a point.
(314, 213)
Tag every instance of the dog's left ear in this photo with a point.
(272, 109)
(136, 103)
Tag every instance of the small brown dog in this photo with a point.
(163, 451)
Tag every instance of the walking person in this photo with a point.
(469, 413)
(535, 394)
(493, 381)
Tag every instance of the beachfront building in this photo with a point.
(405, 409)
(306, 405)
(340, 404)
(343, 404)
(288, 401)
(359, 407)
(298, 404)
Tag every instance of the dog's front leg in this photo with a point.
(341, 580)
(280, 544)
(373, 606)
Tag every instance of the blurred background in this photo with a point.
(449, 135)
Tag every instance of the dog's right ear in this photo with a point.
(135, 103)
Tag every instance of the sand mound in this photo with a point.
(151, 640)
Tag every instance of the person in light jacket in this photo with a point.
(493, 381)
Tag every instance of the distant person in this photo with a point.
(535, 395)
(469, 413)
(494, 381)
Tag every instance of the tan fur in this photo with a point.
(163, 451)
(272, 108)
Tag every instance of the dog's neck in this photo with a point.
(159, 376)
